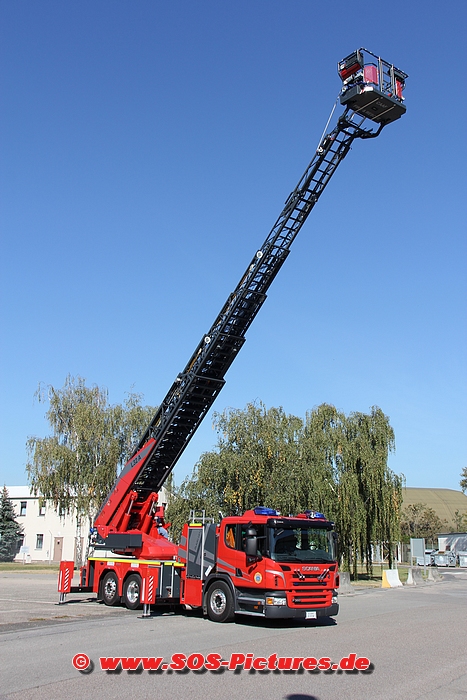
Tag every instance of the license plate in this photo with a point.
(310, 615)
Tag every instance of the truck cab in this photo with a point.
(261, 564)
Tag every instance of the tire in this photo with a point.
(109, 589)
(132, 592)
(219, 602)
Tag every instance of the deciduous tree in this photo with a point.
(460, 521)
(418, 520)
(463, 481)
(330, 462)
(76, 466)
(370, 494)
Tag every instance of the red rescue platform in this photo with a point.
(372, 87)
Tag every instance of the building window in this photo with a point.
(22, 510)
(41, 510)
(39, 541)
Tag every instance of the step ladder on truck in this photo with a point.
(260, 563)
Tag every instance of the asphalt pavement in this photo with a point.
(414, 638)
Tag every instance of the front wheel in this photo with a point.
(219, 602)
(132, 592)
(110, 589)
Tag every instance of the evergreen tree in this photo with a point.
(10, 530)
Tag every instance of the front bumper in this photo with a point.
(282, 612)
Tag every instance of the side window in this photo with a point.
(230, 536)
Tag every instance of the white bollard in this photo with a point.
(391, 579)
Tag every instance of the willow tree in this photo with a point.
(256, 461)
(75, 467)
(329, 462)
(369, 493)
(321, 451)
(259, 457)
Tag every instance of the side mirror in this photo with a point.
(251, 546)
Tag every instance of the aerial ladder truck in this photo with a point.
(260, 563)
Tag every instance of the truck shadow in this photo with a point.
(247, 621)
(283, 624)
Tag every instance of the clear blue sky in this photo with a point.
(147, 148)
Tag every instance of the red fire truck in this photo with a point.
(260, 563)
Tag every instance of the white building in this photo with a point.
(47, 535)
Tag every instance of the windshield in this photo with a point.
(303, 544)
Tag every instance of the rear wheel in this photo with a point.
(132, 592)
(219, 602)
(110, 589)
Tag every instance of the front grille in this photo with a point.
(310, 598)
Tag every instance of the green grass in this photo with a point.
(375, 579)
(25, 568)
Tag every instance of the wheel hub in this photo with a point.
(132, 592)
(218, 601)
(110, 588)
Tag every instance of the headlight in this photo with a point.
(276, 601)
(334, 599)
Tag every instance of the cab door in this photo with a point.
(232, 559)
